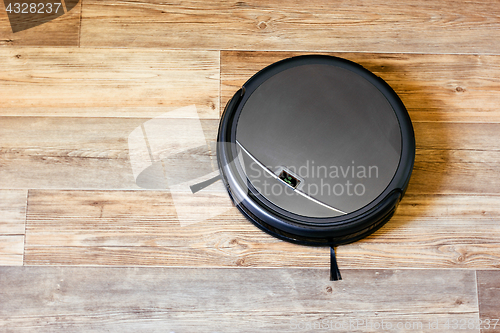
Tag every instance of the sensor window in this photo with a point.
(289, 179)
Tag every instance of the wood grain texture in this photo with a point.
(488, 288)
(431, 231)
(368, 26)
(434, 88)
(93, 153)
(12, 225)
(66, 115)
(12, 211)
(11, 250)
(455, 158)
(58, 299)
(62, 31)
(79, 152)
(81, 82)
(142, 228)
(70, 111)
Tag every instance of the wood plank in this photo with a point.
(43, 299)
(455, 158)
(142, 228)
(11, 250)
(52, 150)
(430, 231)
(103, 82)
(93, 153)
(488, 288)
(318, 25)
(88, 153)
(434, 88)
(12, 226)
(66, 152)
(62, 31)
(12, 211)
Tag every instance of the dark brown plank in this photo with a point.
(61, 31)
(488, 288)
(434, 88)
(318, 25)
(58, 299)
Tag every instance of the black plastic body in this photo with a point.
(300, 229)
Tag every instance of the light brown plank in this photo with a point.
(488, 288)
(431, 231)
(12, 211)
(318, 25)
(141, 228)
(43, 299)
(455, 158)
(62, 31)
(78, 82)
(434, 88)
(11, 250)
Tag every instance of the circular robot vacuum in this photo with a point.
(316, 150)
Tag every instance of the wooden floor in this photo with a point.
(83, 248)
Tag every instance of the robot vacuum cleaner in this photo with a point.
(316, 150)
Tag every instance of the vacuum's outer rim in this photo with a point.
(302, 229)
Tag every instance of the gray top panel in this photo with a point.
(330, 129)
(282, 195)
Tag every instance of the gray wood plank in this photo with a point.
(93, 153)
(61, 299)
(81, 152)
(488, 285)
(12, 226)
(12, 211)
(11, 250)
(318, 25)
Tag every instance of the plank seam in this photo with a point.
(25, 223)
(346, 51)
(477, 298)
(220, 84)
(80, 25)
